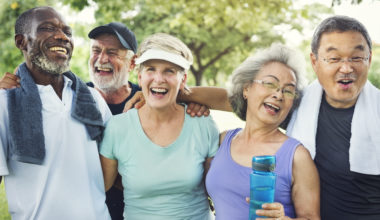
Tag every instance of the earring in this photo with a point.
(245, 97)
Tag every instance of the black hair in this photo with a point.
(338, 23)
(23, 21)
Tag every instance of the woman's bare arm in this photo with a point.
(109, 168)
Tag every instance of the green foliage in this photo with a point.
(10, 56)
(4, 214)
(374, 71)
(220, 33)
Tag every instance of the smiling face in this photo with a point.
(160, 82)
(266, 104)
(109, 64)
(342, 81)
(49, 42)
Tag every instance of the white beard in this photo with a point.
(112, 83)
(45, 64)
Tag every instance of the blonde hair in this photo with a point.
(167, 43)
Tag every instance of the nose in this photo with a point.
(103, 58)
(346, 67)
(278, 94)
(61, 35)
(158, 76)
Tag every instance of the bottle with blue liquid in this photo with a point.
(262, 183)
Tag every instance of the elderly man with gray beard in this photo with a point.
(50, 127)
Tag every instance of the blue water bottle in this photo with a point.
(262, 183)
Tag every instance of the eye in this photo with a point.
(334, 59)
(289, 91)
(357, 59)
(68, 32)
(48, 28)
(171, 71)
(270, 85)
(150, 69)
(95, 51)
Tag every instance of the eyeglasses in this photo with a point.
(288, 91)
(356, 61)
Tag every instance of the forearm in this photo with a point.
(213, 97)
(109, 168)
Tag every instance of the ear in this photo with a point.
(370, 58)
(132, 63)
(139, 79)
(314, 60)
(183, 82)
(21, 42)
(245, 91)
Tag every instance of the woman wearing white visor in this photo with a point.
(161, 152)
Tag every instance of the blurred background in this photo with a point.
(220, 33)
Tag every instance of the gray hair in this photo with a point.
(246, 72)
(338, 23)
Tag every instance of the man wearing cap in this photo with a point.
(113, 48)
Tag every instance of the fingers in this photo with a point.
(9, 81)
(195, 109)
(140, 103)
(272, 210)
(204, 111)
(136, 101)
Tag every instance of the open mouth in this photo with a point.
(158, 91)
(102, 69)
(346, 81)
(272, 107)
(59, 50)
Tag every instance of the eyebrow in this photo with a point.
(107, 50)
(358, 47)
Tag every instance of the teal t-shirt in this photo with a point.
(161, 182)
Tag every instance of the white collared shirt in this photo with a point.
(69, 184)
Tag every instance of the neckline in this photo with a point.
(229, 156)
(149, 142)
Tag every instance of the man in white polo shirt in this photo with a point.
(50, 128)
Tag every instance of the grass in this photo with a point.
(4, 214)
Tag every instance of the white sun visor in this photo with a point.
(156, 54)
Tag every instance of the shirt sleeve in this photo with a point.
(103, 107)
(3, 133)
(108, 143)
(213, 132)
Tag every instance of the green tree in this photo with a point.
(10, 56)
(220, 33)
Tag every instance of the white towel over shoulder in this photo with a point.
(364, 151)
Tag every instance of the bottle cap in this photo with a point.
(264, 163)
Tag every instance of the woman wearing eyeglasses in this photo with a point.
(264, 89)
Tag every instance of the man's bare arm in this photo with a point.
(213, 97)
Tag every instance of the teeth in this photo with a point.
(159, 90)
(273, 106)
(60, 50)
(104, 69)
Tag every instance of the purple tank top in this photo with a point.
(227, 182)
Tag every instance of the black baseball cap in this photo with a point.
(126, 37)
